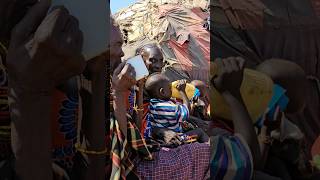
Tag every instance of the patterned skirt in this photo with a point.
(189, 161)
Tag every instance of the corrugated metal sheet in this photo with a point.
(177, 26)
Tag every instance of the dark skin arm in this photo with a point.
(123, 79)
(265, 137)
(181, 87)
(38, 60)
(264, 147)
(94, 117)
(228, 83)
(140, 103)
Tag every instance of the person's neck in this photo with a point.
(164, 98)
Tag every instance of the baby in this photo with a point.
(165, 112)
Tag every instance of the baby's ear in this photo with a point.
(161, 91)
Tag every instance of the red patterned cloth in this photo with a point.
(189, 161)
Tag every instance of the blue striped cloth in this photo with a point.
(279, 100)
(165, 114)
(231, 159)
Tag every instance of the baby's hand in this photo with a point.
(167, 136)
(181, 86)
(170, 137)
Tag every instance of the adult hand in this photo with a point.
(230, 74)
(123, 77)
(141, 84)
(59, 173)
(44, 50)
(181, 86)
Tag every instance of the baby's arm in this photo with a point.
(182, 90)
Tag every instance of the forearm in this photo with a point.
(95, 130)
(31, 133)
(185, 99)
(120, 111)
(140, 109)
(243, 124)
(264, 146)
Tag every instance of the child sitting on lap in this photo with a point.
(165, 112)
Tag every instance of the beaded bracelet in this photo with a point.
(105, 151)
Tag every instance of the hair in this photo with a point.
(198, 83)
(153, 81)
(291, 77)
(144, 47)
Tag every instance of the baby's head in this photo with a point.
(203, 88)
(291, 77)
(158, 86)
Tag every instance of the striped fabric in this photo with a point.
(166, 114)
(230, 159)
(123, 151)
(278, 102)
(186, 162)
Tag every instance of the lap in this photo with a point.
(189, 161)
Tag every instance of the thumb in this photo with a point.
(30, 22)
(119, 68)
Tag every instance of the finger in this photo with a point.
(61, 19)
(119, 68)
(130, 77)
(71, 32)
(129, 71)
(234, 65)
(226, 66)
(72, 25)
(30, 22)
(184, 81)
(132, 71)
(177, 140)
(51, 27)
(55, 22)
(241, 62)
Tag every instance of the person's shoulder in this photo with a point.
(155, 100)
(161, 104)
